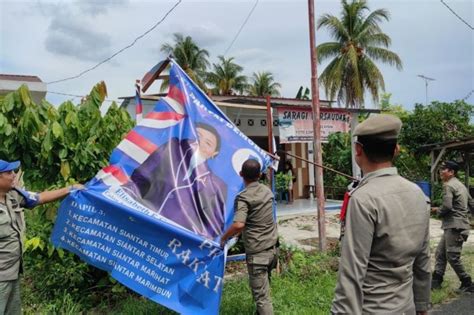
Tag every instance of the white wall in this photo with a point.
(37, 89)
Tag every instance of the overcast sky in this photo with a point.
(59, 39)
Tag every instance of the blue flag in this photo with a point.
(154, 216)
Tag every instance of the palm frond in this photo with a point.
(377, 39)
(352, 15)
(335, 27)
(189, 56)
(371, 23)
(226, 76)
(328, 50)
(264, 84)
(373, 78)
(384, 55)
(166, 48)
(331, 77)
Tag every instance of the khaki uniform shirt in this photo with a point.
(254, 207)
(12, 227)
(385, 263)
(455, 209)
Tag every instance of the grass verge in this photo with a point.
(451, 282)
(304, 286)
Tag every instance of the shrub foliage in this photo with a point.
(57, 147)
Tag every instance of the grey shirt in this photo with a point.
(12, 227)
(454, 211)
(254, 207)
(385, 263)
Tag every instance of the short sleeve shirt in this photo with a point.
(455, 204)
(12, 227)
(254, 207)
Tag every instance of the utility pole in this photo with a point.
(356, 171)
(318, 158)
(426, 86)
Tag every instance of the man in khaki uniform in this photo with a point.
(454, 214)
(385, 264)
(12, 226)
(254, 217)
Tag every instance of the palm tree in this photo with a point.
(359, 43)
(303, 95)
(189, 56)
(264, 84)
(226, 77)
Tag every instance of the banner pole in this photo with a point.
(270, 135)
(138, 101)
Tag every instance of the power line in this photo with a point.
(121, 50)
(457, 15)
(468, 95)
(75, 95)
(241, 27)
(65, 94)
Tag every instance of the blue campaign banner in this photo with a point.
(153, 217)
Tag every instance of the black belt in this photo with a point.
(277, 245)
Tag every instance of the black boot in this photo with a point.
(436, 281)
(466, 285)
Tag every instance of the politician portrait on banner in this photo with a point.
(178, 183)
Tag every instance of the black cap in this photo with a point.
(450, 165)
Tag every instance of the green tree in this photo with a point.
(58, 147)
(437, 122)
(337, 155)
(395, 109)
(189, 56)
(359, 43)
(263, 84)
(303, 95)
(226, 78)
(409, 165)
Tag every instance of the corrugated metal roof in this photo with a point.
(18, 77)
(236, 100)
(463, 144)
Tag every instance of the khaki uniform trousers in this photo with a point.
(10, 302)
(449, 250)
(259, 266)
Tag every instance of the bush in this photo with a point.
(58, 147)
(337, 155)
(282, 181)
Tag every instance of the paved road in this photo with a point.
(305, 206)
(464, 305)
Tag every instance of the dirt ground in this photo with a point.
(302, 230)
